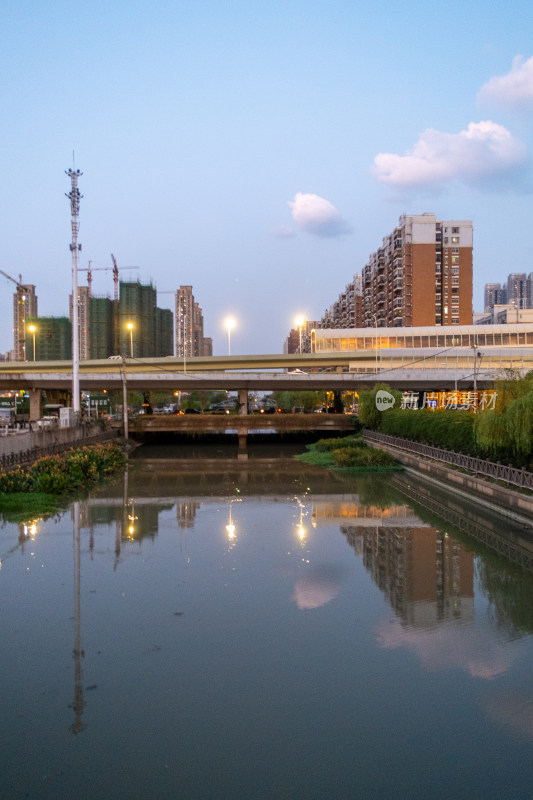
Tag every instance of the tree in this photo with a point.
(369, 414)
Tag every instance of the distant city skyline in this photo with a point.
(258, 152)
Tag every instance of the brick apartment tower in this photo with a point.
(421, 275)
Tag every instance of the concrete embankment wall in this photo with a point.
(42, 439)
(499, 498)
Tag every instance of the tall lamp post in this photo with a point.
(32, 330)
(477, 355)
(229, 323)
(129, 326)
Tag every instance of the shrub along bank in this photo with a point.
(349, 452)
(504, 433)
(59, 476)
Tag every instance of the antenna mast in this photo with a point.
(74, 196)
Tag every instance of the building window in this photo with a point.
(455, 230)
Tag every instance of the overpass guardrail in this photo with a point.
(490, 469)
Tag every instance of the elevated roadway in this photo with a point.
(315, 371)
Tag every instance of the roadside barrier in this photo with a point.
(500, 472)
(24, 457)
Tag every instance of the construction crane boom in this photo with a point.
(89, 270)
(19, 282)
(115, 273)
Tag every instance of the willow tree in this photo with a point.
(369, 414)
(491, 433)
(506, 431)
(519, 422)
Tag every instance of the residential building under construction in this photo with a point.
(50, 339)
(144, 331)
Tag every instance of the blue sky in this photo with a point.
(258, 151)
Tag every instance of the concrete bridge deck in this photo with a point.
(241, 424)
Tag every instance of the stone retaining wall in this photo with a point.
(43, 439)
(492, 495)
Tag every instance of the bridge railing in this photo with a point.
(24, 457)
(490, 469)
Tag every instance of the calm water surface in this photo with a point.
(213, 628)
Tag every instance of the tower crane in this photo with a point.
(19, 282)
(90, 269)
(115, 273)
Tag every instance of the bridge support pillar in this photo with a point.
(243, 401)
(36, 396)
(242, 454)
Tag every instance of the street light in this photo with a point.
(477, 355)
(229, 323)
(299, 322)
(32, 330)
(129, 326)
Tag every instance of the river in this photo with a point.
(212, 627)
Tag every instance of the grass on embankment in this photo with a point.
(349, 453)
(45, 487)
(17, 507)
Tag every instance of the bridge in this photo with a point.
(408, 369)
(240, 425)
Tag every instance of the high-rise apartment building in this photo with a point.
(189, 320)
(144, 330)
(421, 275)
(24, 307)
(494, 294)
(347, 310)
(518, 290)
(164, 334)
(101, 327)
(137, 305)
(299, 339)
(50, 341)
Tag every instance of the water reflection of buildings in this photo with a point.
(186, 513)
(427, 576)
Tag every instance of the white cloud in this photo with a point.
(317, 216)
(284, 232)
(484, 151)
(450, 646)
(514, 90)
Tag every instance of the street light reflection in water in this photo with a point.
(348, 616)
